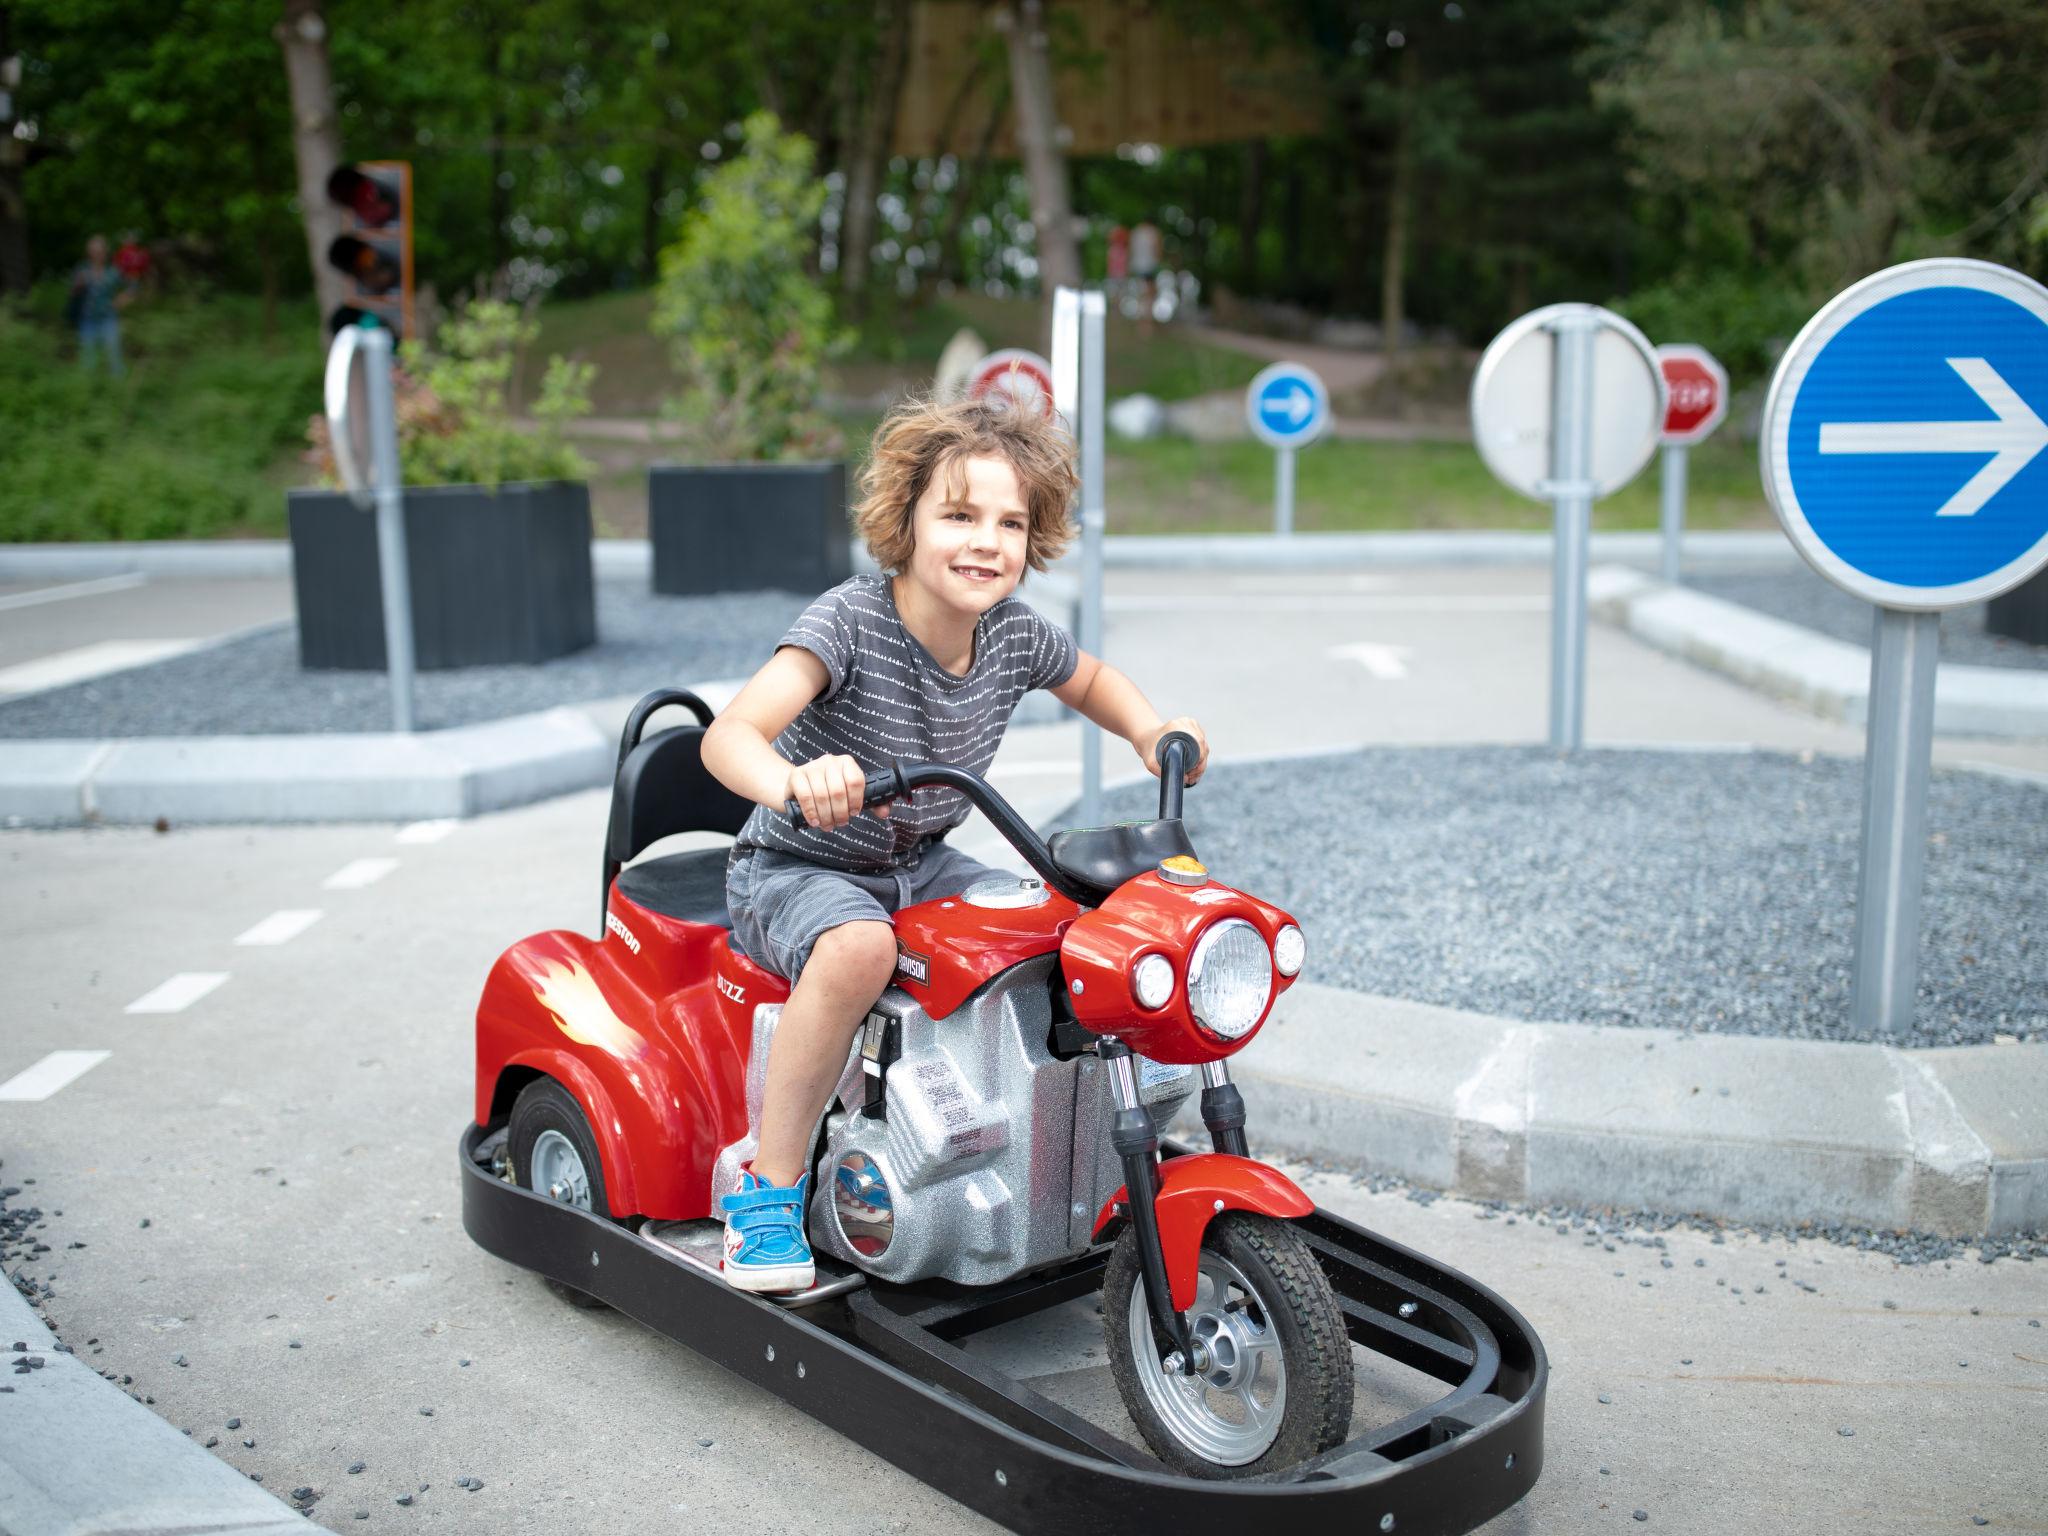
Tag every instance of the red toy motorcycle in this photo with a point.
(992, 1148)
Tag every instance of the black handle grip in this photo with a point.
(882, 785)
(1178, 755)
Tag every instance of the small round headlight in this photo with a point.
(1289, 949)
(1152, 981)
(1230, 976)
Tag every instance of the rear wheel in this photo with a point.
(1273, 1379)
(554, 1154)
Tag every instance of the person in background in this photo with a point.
(99, 292)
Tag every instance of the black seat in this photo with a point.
(661, 788)
(1103, 858)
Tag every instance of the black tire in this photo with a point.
(1291, 1297)
(545, 1105)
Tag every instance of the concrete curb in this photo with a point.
(1740, 1127)
(632, 559)
(77, 1455)
(276, 779)
(1831, 677)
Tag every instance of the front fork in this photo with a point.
(1136, 1139)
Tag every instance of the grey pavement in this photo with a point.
(290, 1136)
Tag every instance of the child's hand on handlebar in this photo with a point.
(830, 791)
(1148, 746)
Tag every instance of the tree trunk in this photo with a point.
(1400, 194)
(1059, 256)
(1251, 215)
(870, 149)
(316, 143)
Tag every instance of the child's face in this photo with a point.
(969, 532)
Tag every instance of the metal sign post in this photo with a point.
(1902, 451)
(1094, 517)
(362, 422)
(1286, 408)
(1696, 388)
(1566, 408)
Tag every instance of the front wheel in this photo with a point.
(1273, 1385)
(554, 1154)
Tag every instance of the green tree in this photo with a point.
(748, 326)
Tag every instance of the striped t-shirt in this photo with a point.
(886, 699)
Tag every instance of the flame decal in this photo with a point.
(581, 1011)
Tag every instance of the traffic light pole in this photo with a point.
(395, 578)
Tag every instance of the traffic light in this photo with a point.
(374, 248)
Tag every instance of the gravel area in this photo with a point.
(1799, 596)
(254, 685)
(1703, 891)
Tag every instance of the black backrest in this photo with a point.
(662, 787)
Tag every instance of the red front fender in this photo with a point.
(1193, 1191)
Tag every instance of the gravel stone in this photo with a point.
(1800, 596)
(212, 1441)
(1628, 887)
(357, 1466)
(254, 685)
(1605, 1398)
(403, 1498)
(234, 1424)
(302, 1494)
(426, 1413)
(145, 1221)
(1642, 1514)
(1846, 1432)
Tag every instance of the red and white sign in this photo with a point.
(1697, 387)
(1024, 376)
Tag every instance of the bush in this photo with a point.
(1745, 321)
(452, 400)
(180, 447)
(749, 328)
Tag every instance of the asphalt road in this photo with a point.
(289, 1139)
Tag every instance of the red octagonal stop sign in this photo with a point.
(1698, 390)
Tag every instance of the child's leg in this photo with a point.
(848, 969)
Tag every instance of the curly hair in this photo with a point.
(922, 438)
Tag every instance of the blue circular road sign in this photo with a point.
(1904, 435)
(1287, 406)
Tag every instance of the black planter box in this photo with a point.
(2022, 613)
(497, 576)
(744, 527)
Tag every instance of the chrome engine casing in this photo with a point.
(995, 1153)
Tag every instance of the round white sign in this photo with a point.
(1513, 400)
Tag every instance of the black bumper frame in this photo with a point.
(881, 1365)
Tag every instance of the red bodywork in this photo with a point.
(651, 1027)
(1152, 914)
(1193, 1191)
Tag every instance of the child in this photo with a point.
(923, 664)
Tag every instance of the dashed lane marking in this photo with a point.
(57, 1070)
(281, 927)
(353, 877)
(426, 831)
(88, 661)
(179, 993)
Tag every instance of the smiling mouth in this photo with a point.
(975, 572)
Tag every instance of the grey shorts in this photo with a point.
(781, 904)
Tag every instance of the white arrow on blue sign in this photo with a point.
(1903, 437)
(1287, 406)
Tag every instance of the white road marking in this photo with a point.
(1387, 602)
(57, 1070)
(281, 927)
(88, 661)
(1388, 663)
(179, 993)
(353, 877)
(73, 589)
(426, 831)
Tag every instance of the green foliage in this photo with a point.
(749, 326)
(1743, 318)
(184, 445)
(471, 438)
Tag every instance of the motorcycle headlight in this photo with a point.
(1152, 981)
(1230, 976)
(1289, 950)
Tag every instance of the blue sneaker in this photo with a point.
(765, 1247)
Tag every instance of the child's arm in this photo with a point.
(1104, 695)
(739, 751)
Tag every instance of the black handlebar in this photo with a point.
(1177, 752)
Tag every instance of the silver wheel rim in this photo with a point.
(558, 1170)
(1228, 1412)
